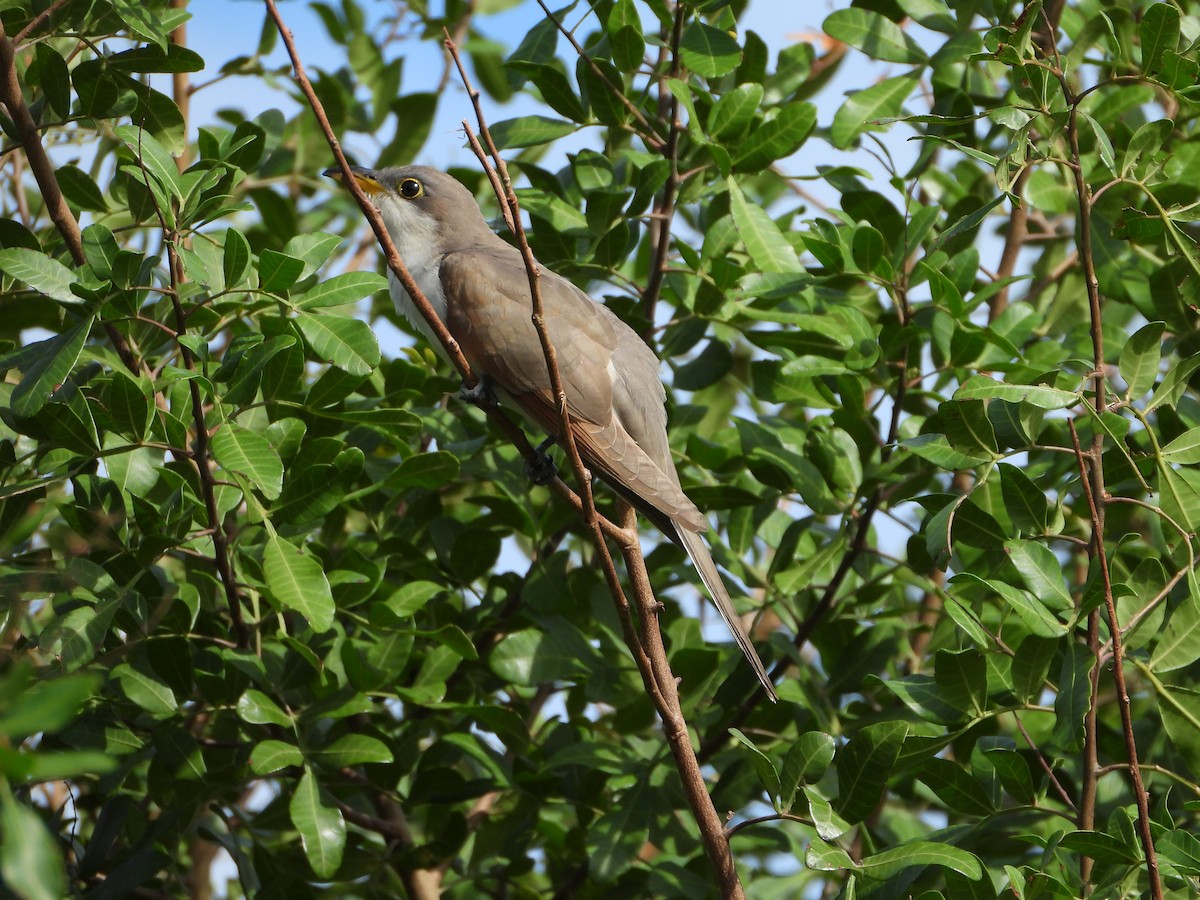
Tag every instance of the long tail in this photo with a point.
(697, 551)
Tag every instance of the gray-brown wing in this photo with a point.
(614, 393)
(497, 335)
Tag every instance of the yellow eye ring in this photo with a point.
(410, 189)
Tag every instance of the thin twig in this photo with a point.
(507, 426)
(664, 209)
(37, 21)
(180, 89)
(43, 171)
(647, 134)
(222, 557)
(649, 652)
(1141, 797)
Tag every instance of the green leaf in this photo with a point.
(864, 766)
(734, 111)
(1179, 708)
(962, 679)
(172, 58)
(874, 34)
(1159, 32)
(768, 777)
(341, 289)
(709, 52)
(625, 36)
(532, 657)
(966, 223)
(271, 756)
(1013, 772)
(348, 344)
(1185, 449)
(251, 455)
(923, 853)
(776, 138)
(50, 73)
(43, 273)
(1100, 847)
(616, 838)
(146, 691)
(1074, 697)
(1179, 495)
(320, 823)
(529, 131)
(53, 362)
(1180, 849)
(981, 387)
(1174, 383)
(1031, 664)
(1031, 610)
(1025, 503)
(297, 581)
(157, 161)
(30, 861)
(955, 787)
(1042, 573)
(354, 750)
(806, 762)
(416, 111)
(79, 188)
(1179, 645)
(765, 243)
(278, 271)
(863, 109)
(257, 708)
(937, 449)
(1140, 358)
(315, 250)
(236, 259)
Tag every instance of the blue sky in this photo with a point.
(223, 29)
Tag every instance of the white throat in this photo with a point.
(416, 238)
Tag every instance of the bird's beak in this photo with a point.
(365, 177)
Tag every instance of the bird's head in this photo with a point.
(419, 203)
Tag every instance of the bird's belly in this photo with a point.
(432, 289)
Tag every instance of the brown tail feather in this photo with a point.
(697, 551)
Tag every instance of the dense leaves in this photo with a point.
(277, 612)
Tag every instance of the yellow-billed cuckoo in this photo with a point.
(479, 288)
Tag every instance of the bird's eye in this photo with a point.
(410, 189)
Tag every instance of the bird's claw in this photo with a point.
(481, 395)
(541, 470)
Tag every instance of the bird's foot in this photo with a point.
(541, 470)
(481, 395)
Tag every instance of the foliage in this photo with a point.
(259, 579)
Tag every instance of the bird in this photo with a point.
(478, 286)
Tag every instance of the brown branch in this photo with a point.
(1014, 241)
(37, 21)
(712, 829)
(664, 209)
(649, 652)
(43, 171)
(647, 134)
(222, 557)
(31, 142)
(508, 200)
(1100, 555)
(1045, 765)
(506, 426)
(391, 823)
(180, 88)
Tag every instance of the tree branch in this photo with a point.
(649, 652)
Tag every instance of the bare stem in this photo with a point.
(1099, 554)
(648, 649)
